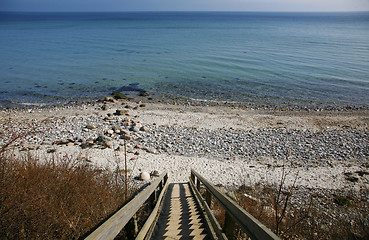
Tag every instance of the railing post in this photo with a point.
(132, 227)
(208, 197)
(198, 184)
(229, 226)
(193, 177)
(153, 198)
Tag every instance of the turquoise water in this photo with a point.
(303, 58)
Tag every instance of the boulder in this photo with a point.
(144, 176)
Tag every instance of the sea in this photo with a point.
(279, 58)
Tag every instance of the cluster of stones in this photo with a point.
(302, 147)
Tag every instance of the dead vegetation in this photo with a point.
(53, 198)
(301, 213)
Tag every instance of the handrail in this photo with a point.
(253, 228)
(112, 227)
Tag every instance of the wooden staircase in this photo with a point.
(179, 211)
(180, 217)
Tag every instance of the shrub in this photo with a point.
(54, 199)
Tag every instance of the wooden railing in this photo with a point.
(234, 213)
(113, 226)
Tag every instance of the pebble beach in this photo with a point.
(229, 146)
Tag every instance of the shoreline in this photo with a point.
(228, 145)
(149, 97)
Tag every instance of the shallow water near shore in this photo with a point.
(298, 58)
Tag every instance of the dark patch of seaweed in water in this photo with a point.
(132, 87)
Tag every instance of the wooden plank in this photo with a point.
(212, 223)
(253, 228)
(154, 214)
(111, 227)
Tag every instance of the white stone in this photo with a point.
(145, 176)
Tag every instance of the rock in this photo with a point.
(139, 146)
(143, 94)
(119, 95)
(108, 118)
(90, 127)
(62, 142)
(124, 132)
(144, 129)
(138, 125)
(120, 112)
(104, 108)
(155, 173)
(117, 128)
(150, 150)
(108, 144)
(144, 176)
(134, 159)
(70, 144)
(110, 99)
(103, 140)
(142, 105)
(110, 132)
(134, 129)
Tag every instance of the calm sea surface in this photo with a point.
(303, 58)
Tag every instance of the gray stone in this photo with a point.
(120, 112)
(90, 127)
(144, 129)
(155, 173)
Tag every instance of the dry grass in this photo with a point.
(315, 216)
(54, 199)
(309, 214)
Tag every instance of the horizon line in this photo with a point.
(183, 11)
